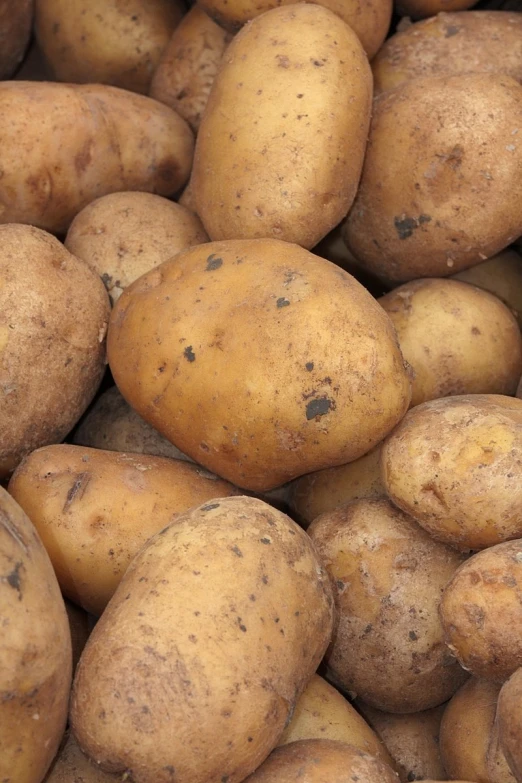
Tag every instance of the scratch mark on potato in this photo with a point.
(77, 491)
(13, 531)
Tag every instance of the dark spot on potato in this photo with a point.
(77, 490)
(193, 638)
(242, 627)
(340, 584)
(252, 597)
(300, 95)
(319, 63)
(451, 30)
(282, 302)
(413, 636)
(309, 366)
(83, 158)
(236, 550)
(170, 769)
(189, 354)
(13, 579)
(282, 61)
(276, 619)
(405, 226)
(210, 507)
(319, 407)
(264, 579)
(213, 262)
(250, 739)
(265, 541)
(168, 171)
(475, 330)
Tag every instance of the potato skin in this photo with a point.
(35, 651)
(212, 692)
(15, 30)
(453, 464)
(509, 721)
(54, 316)
(280, 147)
(389, 575)
(440, 189)
(501, 276)
(259, 322)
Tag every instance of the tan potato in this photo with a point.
(54, 315)
(124, 235)
(210, 693)
(455, 465)
(95, 509)
(440, 189)
(458, 339)
(280, 148)
(15, 30)
(307, 356)
(35, 650)
(73, 766)
(389, 575)
(509, 718)
(189, 65)
(106, 41)
(80, 627)
(78, 143)
(500, 275)
(419, 9)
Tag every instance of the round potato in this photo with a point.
(73, 766)
(440, 189)
(281, 144)
(455, 465)
(458, 339)
(509, 716)
(15, 30)
(388, 576)
(124, 235)
(500, 275)
(419, 9)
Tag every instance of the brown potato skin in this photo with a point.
(282, 157)
(73, 766)
(96, 140)
(383, 566)
(254, 615)
(509, 721)
(54, 316)
(95, 509)
(35, 651)
(453, 464)
(501, 276)
(15, 30)
(433, 164)
(419, 9)
(258, 322)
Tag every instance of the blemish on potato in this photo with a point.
(189, 354)
(213, 262)
(282, 302)
(319, 407)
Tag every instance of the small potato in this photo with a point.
(16, 17)
(509, 716)
(124, 235)
(419, 9)
(455, 465)
(72, 766)
(500, 275)
(457, 338)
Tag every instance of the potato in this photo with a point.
(62, 146)
(106, 41)
(500, 275)
(259, 360)
(509, 722)
(498, 767)
(418, 9)
(95, 509)
(209, 694)
(440, 189)
(35, 650)
(389, 575)
(189, 65)
(15, 30)
(280, 147)
(455, 465)
(447, 44)
(54, 315)
(72, 766)
(124, 235)
(80, 627)
(458, 339)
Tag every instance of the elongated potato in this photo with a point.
(509, 716)
(15, 30)
(500, 275)
(280, 148)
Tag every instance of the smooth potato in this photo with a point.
(15, 30)
(500, 275)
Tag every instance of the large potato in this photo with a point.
(455, 465)
(198, 660)
(15, 30)
(280, 147)
(259, 360)
(62, 146)
(35, 650)
(388, 647)
(441, 187)
(509, 716)
(500, 275)
(54, 313)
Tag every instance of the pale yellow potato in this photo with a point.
(280, 147)
(16, 19)
(500, 275)
(509, 717)
(73, 766)
(419, 9)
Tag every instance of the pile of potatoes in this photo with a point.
(260, 391)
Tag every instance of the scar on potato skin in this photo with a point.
(406, 225)
(213, 263)
(13, 579)
(319, 407)
(189, 354)
(77, 490)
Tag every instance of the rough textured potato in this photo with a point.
(72, 766)
(35, 649)
(189, 65)
(500, 275)
(280, 148)
(307, 356)
(209, 694)
(419, 9)
(389, 575)
(95, 509)
(458, 339)
(124, 235)
(15, 30)
(80, 627)
(78, 143)
(106, 41)
(54, 315)
(440, 189)
(455, 465)
(509, 718)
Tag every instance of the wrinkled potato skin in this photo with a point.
(254, 615)
(420, 9)
(509, 722)
(458, 339)
(189, 65)
(96, 140)
(501, 276)
(440, 189)
(124, 235)
(72, 766)
(285, 165)
(95, 509)
(54, 313)
(454, 464)
(193, 327)
(383, 567)
(36, 652)
(117, 42)
(15, 30)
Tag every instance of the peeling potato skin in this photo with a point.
(15, 30)
(389, 576)
(455, 465)
(210, 693)
(36, 651)
(510, 721)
